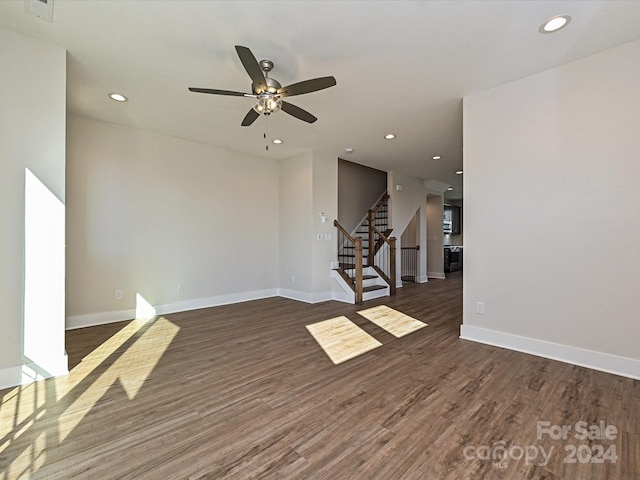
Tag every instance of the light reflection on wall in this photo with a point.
(44, 277)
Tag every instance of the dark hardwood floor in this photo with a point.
(243, 391)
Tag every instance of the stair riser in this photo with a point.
(375, 294)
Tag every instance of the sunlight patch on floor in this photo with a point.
(136, 364)
(128, 357)
(132, 368)
(396, 323)
(341, 339)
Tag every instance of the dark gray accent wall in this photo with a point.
(359, 187)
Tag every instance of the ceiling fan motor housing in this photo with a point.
(272, 86)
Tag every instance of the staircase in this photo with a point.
(367, 256)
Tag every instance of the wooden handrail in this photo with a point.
(344, 232)
(382, 235)
(380, 203)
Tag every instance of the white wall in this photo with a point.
(552, 164)
(296, 227)
(405, 202)
(32, 122)
(146, 212)
(403, 205)
(308, 187)
(325, 200)
(411, 237)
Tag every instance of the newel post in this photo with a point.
(358, 245)
(371, 249)
(392, 266)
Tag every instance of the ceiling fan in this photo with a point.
(268, 92)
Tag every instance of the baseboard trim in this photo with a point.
(295, 295)
(198, 303)
(304, 296)
(422, 279)
(30, 372)
(10, 377)
(436, 275)
(605, 362)
(100, 318)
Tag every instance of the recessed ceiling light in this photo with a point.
(437, 157)
(277, 141)
(389, 136)
(450, 188)
(459, 172)
(554, 24)
(348, 150)
(118, 97)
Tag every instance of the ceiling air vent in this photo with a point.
(39, 8)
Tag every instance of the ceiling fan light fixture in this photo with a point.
(267, 104)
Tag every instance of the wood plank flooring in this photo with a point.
(243, 391)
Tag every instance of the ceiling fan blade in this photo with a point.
(221, 92)
(252, 67)
(298, 112)
(251, 117)
(307, 86)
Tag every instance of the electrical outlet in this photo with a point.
(319, 236)
(118, 295)
(480, 308)
(181, 288)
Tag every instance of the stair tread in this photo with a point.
(350, 266)
(373, 288)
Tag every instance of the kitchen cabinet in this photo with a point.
(453, 214)
(452, 258)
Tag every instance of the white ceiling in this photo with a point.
(401, 67)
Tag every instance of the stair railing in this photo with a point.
(384, 258)
(376, 216)
(382, 248)
(346, 245)
(409, 264)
